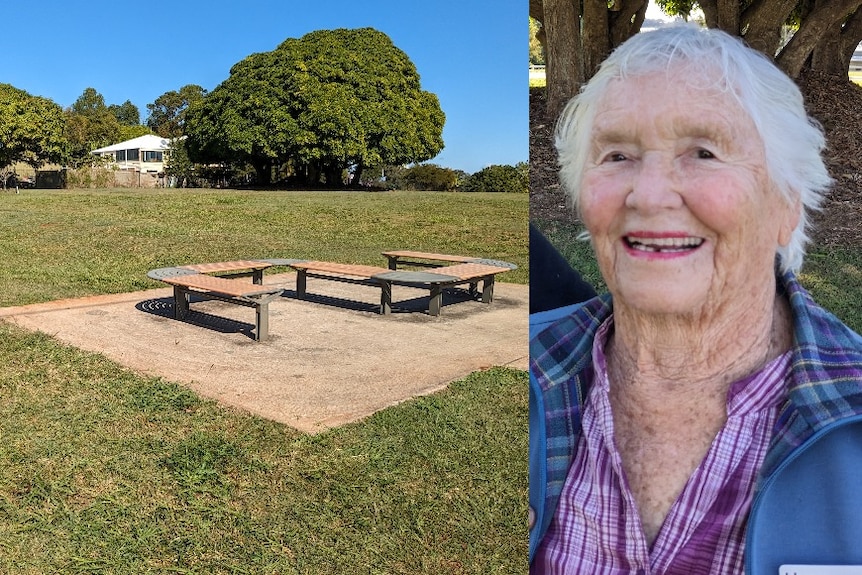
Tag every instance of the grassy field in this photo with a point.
(833, 276)
(60, 244)
(106, 471)
(537, 78)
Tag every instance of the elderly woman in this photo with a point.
(706, 415)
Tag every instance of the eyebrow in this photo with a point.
(610, 133)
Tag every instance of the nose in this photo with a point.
(655, 185)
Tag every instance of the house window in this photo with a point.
(132, 155)
(152, 156)
(120, 155)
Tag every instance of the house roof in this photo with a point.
(146, 142)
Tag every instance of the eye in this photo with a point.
(703, 154)
(616, 157)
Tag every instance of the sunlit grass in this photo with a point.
(103, 470)
(537, 77)
(60, 244)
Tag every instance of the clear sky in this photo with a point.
(471, 53)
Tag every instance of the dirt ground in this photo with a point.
(330, 359)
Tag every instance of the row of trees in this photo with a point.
(495, 178)
(578, 36)
(317, 109)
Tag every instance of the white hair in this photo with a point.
(792, 141)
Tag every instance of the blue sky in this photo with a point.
(471, 53)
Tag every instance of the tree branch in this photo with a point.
(792, 58)
(626, 21)
(761, 22)
(852, 34)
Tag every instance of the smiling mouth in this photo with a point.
(663, 245)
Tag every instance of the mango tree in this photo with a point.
(31, 130)
(331, 102)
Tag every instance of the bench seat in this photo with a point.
(433, 259)
(186, 281)
(237, 268)
(434, 279)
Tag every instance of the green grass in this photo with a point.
(833, 276)
(105, 471)
(537, 80)
(59, 244)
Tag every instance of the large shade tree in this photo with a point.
(31, 129)
(127, 114)
(577, 35)
(168, 113)
(331, 101)
(90, 124)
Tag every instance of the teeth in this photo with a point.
(664, 244)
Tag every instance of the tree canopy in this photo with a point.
(127, 114)
(497, 178)
(90, 125)
(168, 113)
(31, 128)
(331, 101)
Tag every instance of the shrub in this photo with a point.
(496, 178)
(423, 177)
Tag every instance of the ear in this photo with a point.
(792, 212)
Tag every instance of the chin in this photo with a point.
(662, 299)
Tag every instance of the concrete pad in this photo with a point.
(329, 360)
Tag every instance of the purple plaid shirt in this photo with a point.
(596, 529)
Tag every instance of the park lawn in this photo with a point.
(69, 243)
(832, 275)
(106, 471)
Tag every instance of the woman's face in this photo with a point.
(676, 197)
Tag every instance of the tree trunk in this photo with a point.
(762, 22)
(356, 179)
(833, 53)
(710, 12)
(596, 38)
(813, 29)
(626, 20)
(263, 172)
(332, 173)
(728, 16)
(563, 53)
(310, 174)
(852, 34)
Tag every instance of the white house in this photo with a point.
(145, 154)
